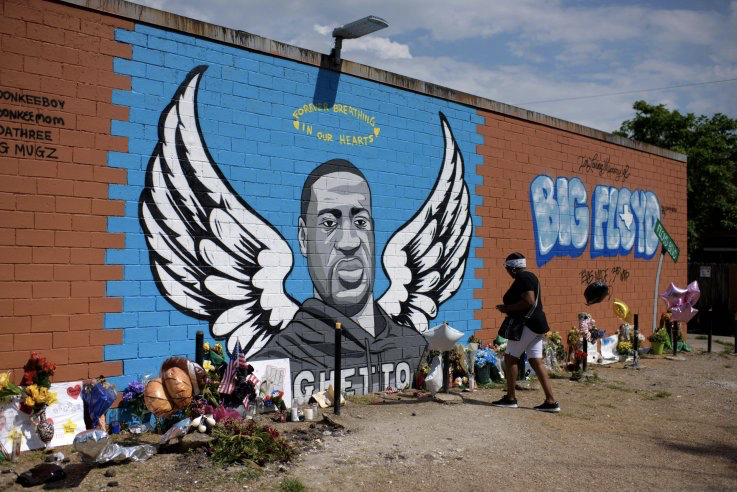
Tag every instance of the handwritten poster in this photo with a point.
(67, 416)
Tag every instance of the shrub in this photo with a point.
(244, 441)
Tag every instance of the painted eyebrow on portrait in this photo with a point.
(355, 211)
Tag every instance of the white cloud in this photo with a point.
(384, 48)
(324, 30)
(551, 48)
(373, 45)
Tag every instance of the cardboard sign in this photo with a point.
(275, 373)
(67, 415)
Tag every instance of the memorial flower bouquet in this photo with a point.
(37, 381)
(133, 400)
(214, 354)
(37, 399)
(8, 389)
(624, 348)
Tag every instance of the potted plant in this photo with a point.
(657, 341)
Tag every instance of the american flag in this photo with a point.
(237, 359)
(254, 379)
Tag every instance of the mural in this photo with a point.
(619, 221)
(215, 258)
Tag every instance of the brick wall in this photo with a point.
(515, 152)
(54, 185)
(76, 265)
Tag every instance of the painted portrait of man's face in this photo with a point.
(336, 235)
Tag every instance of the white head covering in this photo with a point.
(518, 263)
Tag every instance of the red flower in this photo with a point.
(28, 377)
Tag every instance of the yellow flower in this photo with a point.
(29, 402)
(206, 347)
(32, 390)
(51, 398)
(4, 380)
(207, 365)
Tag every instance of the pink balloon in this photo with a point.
(680, 301)
(693, 293)
(673, 296)
(683, 313)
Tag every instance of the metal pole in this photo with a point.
(336, 375)
(674, 336)
(657, 288)
(636, 342)
(199, 352)
(711, 330)
(586, 351)
(446, 370)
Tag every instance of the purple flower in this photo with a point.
(133, 391)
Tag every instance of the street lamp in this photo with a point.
(354, 30)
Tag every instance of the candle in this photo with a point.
(308, 414)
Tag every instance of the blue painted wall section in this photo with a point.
(268, 123)
(618, 222)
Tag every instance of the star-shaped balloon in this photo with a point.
(442, 337)
(680, 302)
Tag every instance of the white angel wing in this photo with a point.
(213, 257)
(426, 258)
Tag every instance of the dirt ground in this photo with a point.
(672, 424)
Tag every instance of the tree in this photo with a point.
(711, 147)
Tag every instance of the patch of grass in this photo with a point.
(362, 399)
(291, 485)
(728, 366)
(617, 386)
(491, 385)
(701, 337)
(558, 375)
(658, 395)
(592, 378)
(726, 344)
(247, 475)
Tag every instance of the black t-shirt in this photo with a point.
(526, 281)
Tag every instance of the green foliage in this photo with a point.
(711, 147)
(659, 336)
(291, 485)
(244, 441)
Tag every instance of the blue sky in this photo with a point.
(525, 51)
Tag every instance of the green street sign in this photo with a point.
(667, 241)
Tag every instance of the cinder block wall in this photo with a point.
(76, 268)
(56, 79)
